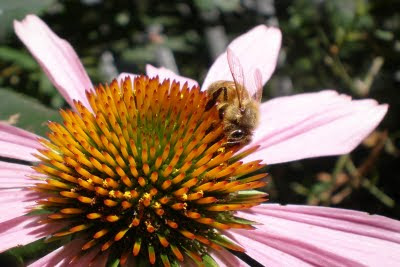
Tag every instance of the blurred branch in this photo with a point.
(340, 164)
(370, 162)
(379, 194)
(337, 68)
(333, 188)
(363, 87)
(358, 174)
(357, 86)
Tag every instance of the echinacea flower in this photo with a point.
(138, 170)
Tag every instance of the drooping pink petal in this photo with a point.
(66, 256)
(56, 57)
(61, 256)
(164, 73)
(258, 48)
(16, 175)
(17, 143)
(16, 202)
(313, 125)
(320, 236)
(23, 230)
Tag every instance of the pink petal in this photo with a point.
(63, 255)
(60, 256)
(16, 151)
(313, 125)
(16, 202)
(268, 255)
(164, 73)
(17, 143)
(56, 57)
(320, 236)
(23, 230)
(20, 136)
(258, 48)
(359, 217)
(94, 257)
(15, 175)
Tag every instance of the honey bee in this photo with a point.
(238, 106)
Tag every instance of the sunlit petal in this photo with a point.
(258, 48)
(313, 125)
(56, 57)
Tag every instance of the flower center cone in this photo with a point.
(146, 175)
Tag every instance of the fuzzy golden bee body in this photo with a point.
(238, 106)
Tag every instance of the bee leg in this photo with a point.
(232, 143)
(214, 98)
(225, 93)
(221, 110)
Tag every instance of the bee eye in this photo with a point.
(237, 134)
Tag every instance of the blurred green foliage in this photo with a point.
(26, 112)
(11, 10)
(352, 46)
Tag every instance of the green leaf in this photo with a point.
(227, 5)
(12, 9)
(140, 54)
(26, 112)
(223, 5)
(17, 57)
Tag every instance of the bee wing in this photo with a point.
(258, 86)
(237, 73)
